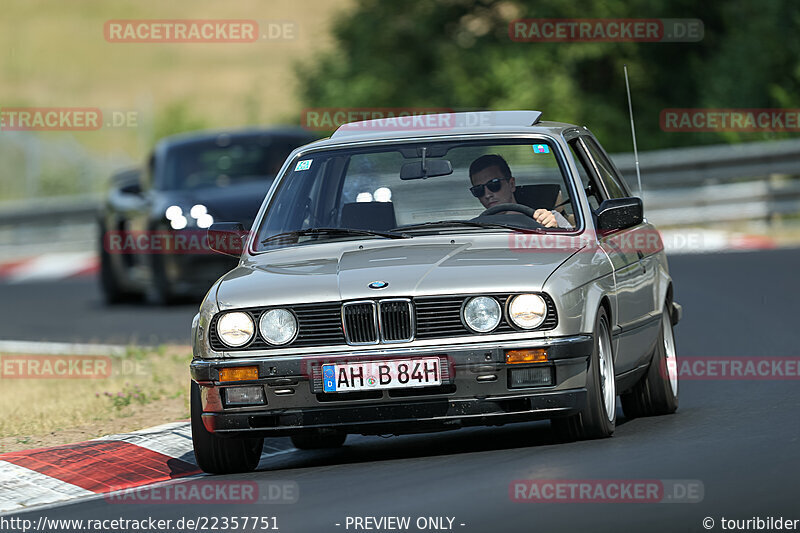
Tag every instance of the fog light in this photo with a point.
(530, 377)
(532, 355)
(238, 373)
(244, 396)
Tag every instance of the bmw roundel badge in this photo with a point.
(378, 285)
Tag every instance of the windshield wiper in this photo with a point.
(469, 223)
(333, 232)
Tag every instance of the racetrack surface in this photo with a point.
(738, 438)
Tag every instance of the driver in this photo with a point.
(493, 184)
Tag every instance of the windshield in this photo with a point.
(225, 161)
(405, 190)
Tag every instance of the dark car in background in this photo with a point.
(151, 218)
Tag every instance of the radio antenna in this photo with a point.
(633, 131)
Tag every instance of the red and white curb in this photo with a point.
(39, 477)
(49, 266)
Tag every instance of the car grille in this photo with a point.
(396, 320)
(360, 322)
(388, 320)
(371, 322)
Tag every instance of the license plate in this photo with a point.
(377, 375)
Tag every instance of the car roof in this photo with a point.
(193, 137)
(443, 124)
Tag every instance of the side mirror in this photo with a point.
(227, 238)
(619, 213)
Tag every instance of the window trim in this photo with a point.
(609, 164)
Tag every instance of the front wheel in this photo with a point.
(110, 286)
(216, 455)
(657, 392)
(599, 417)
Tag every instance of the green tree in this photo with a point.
(458, 54)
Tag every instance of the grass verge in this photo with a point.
(43, 406)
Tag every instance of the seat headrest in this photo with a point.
(539, 196)
(374, 216)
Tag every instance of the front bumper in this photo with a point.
(476, 390)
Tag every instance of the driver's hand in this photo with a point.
(545, 217)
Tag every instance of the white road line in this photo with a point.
(60, 348)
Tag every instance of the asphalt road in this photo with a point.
(739, 439)
(73, 310)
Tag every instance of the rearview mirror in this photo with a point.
(433, 167)
(227, 238)
(619, 213)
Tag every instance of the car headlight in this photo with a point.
(527, 311)
(482, 313)
(200, 213)
(235, 329)
(278, 326)
(176, 218)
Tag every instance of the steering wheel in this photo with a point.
(499, 208)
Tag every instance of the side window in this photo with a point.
(593, 193)
(612, 182)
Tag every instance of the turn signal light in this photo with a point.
(531, 355)
(238, 373)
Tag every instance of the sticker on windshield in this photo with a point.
(303, 165)
(541, 149)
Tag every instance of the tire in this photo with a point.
(598, 418)
(216, 455)
(113, 293)
(318, 440)
(160, 291)
(657, 392)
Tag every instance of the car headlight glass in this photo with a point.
(278, 326)
(482, 313)
(527, 311)
(235, 329)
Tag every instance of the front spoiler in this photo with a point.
(476, 390)
(405, 417)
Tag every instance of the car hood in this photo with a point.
(310, 274)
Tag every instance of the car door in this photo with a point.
(631, 252)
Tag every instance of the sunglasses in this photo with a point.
(493, 185)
